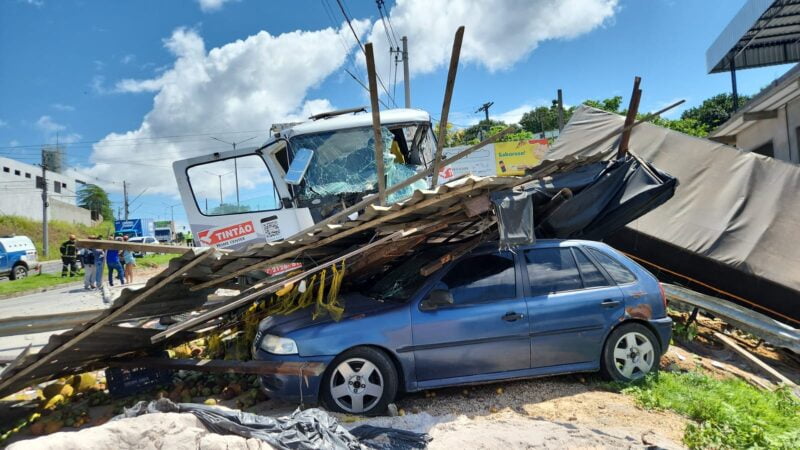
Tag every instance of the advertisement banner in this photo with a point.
(512, 158)
(227, 235)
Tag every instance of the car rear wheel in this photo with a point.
(360, 381)
(19, 272)
(631, 352)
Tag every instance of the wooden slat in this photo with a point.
(224, 366)
(750, 357)
(448, 95)
(376, 122)
(106, 320)
(132, 246)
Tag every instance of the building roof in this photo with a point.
(763, 105)
(389, 116)
(763, 33)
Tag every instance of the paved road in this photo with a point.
(47, 267)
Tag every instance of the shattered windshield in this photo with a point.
(401, 282)
(344, 162)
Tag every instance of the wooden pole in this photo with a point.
(106, 320)
(630, 118)
(132, 246)
(448, 95)
(376, 122)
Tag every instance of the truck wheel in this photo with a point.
(631, 352)
(360, 381)
(19, 272)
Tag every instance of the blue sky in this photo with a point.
(62, 66)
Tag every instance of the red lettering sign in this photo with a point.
(216, 236)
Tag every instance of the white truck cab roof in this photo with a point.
(364, 119)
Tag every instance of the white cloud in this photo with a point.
(497, 33)
(48, 125)
(211, 5)
(514, 115)
(13, 143)
(62, 107)
(36, 3)
(127, 59)
(244, 85)
(3, 123)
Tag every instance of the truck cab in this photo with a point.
(17, 256)
(304, 173)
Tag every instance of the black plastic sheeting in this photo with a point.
(514, 217)
(589, 202)
(309, 429)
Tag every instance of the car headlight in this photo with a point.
(278, 345)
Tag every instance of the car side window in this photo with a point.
(592, 277)
(618, 272)
(552, 270)
(482, 278)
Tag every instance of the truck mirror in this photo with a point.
(298, 167)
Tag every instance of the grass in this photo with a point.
(156, 260)
(729, 413)
(58, 232)
(33, 282)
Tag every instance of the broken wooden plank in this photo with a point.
(305, 369)
(448, 95)
(456, 253)
(630, 118)
(376, 122)
(752, 358)
(107, 319)
(477, 205)
(132, 246)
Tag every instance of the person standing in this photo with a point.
(130, 262)
(99, 263)
(69, 257)
(112, 261)
(87, 255)
(189, 239)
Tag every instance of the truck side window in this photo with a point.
(234, 185)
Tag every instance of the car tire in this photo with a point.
(631, 352)
(362, 376)
(18, 272)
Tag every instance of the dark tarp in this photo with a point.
(730, 229)
(514, 217)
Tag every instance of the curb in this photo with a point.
(39, 290)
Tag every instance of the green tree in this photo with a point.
(714, 111)
(543, 119)
(94, 198)
(609, 104)
(229, 208)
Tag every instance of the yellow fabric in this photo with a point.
(398, 155)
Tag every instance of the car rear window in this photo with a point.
(552, 270)
(592, 277)
(618, 272)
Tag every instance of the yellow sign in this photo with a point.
(512, 158)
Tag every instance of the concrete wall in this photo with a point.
(782, 133)
(18, 177)
(29, 204)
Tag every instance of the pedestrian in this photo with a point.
(87, 255)
(130, 262)
(69, 257)
(112, 261)
(99, 263)
(189, 239)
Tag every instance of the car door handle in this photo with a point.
(512, 316)
(609, 303)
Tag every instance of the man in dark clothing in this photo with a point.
(112, 260)
(69, 257)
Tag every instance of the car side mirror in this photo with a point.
(436, 299)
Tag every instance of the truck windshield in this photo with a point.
(344, 162)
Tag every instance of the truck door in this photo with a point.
(237, 198)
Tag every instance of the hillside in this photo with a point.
(58, 232)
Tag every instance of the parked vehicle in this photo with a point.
(17, 256)
(134, 227)
(551, 308)
(150, 240)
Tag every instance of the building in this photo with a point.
(763, 33)
(21, 193)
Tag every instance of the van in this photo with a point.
(17, 256)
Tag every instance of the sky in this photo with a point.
(130, 87)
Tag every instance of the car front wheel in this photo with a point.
(360, 381)
(19, 272)
(630, 353)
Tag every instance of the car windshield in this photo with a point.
(402, 281)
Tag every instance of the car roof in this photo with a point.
(388, 117)
(16, 240)
(545, 243)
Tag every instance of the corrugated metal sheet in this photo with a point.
(763, 33)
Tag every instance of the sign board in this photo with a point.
(498, 159)
(228, 235)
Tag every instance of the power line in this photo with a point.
(73, 144)
(382, 4)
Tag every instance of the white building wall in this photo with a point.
(782, 131)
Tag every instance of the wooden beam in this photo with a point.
(272, 288)
(370, 199)
(224, 366)
(750, 357)
(448, 96)
(630, 118)
(376, 122)
(760, 115)
(340, 235)
(132, 246)
(206, 253)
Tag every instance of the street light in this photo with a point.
(235, 167)
(220, 175)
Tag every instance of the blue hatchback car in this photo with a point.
(559, 306)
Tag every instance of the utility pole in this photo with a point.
(235, 166)
(220, 190)
(125, 198)
(560, 112)
(45, 204)
(406, 79)
(485, 108)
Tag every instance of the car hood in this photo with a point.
(354, 304)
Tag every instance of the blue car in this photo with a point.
(556, 307)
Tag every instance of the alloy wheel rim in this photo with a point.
(634, 355)
(19, 273)
(356, 385)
